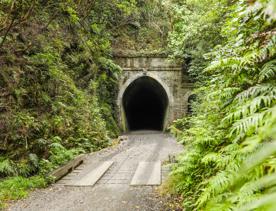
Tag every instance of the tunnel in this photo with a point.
(145, 103)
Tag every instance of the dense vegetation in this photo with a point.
(54, 63)
(58, 86)
(230, 140)
(58, 82)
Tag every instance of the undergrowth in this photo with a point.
(230, 140)
(58, 83)
(18, 187)
(58, 86)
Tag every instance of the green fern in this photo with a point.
(268, 71)
(264, 202)
(252, 122)
(230, 161)
(251, 107)
(7, 167)
(251, 188)
(256, 90)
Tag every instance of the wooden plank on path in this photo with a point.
(93, 176)
(147, 173)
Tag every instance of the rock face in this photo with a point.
(156, 85)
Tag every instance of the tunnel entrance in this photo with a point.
(145, 103)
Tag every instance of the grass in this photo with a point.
(14, 188)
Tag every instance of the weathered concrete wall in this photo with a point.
(169, 74)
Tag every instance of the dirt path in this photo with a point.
(112, 192)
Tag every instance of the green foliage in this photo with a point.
(195, 30)
(58, 83)
(17, 187)
(7, 167)
(146, 28)
(229, 158)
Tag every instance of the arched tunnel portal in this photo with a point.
(145, 103)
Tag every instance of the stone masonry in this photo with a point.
(169, 74)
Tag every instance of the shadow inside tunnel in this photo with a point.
(145, 104)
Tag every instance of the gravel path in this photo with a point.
(112, 192)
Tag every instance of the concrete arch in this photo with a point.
(124, 87)
(139, 75)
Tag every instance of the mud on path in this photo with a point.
(113, 191)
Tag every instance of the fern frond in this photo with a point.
(250, 59)
(225, 93)
(251, 187)
(268, 71)
(264, 200)
(211, 158)
(251, 107)
(269, 50)
(7, 168)
(216, 184)
(255, 91)
(265, 151)
(250, 144)
(252, 122)
(231, 62)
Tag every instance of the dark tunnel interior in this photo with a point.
(145, 103)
